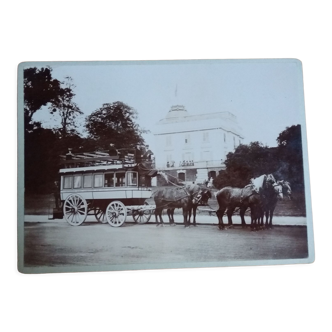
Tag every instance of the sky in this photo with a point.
(265, 95)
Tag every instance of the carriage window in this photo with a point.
(120, 179)
(132, 178)
(98, 180)
(77, 181)
(67, 182)
(87, 181)
(109, 180)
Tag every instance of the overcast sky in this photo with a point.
(266, 96)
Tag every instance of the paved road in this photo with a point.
(55, 243)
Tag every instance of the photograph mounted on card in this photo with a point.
(132, 165)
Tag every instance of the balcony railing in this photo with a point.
(194, 164)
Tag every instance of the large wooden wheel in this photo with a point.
(116, 213)
(75, 209)
(142, 216)
(100, 215)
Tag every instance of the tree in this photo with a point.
(68, 110)
(40, 88)
(290, 156)
(246, 162)
(41, 161)
(114, 123)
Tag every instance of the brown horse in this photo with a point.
(230, 198)
(176, 197)
(203, 200)
(270, 199)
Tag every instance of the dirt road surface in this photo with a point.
(55, 243)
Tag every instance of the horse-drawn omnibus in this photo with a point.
(108, 185)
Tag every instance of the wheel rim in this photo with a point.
(100, 215)
(75, 209)
(116, 213)
(142, 216)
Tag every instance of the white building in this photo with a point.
(193, 148)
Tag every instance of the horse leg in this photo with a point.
(253, 218)
(267, 219)
(229, 215)
(242, 212)
(189, 215)
(271, 217)
(220, 214)
(158, 212)
(170, 217)
(194, 208)
(185, 216)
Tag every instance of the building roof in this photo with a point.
(179, 120)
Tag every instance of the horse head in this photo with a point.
(203, 195)
(286, 188)
(277, 187)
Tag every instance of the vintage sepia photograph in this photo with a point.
(131, 165)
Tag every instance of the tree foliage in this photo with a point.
(66, 107)
(114, 123)
(40, 88)
(290, 156)
(248, 161)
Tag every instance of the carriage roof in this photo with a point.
(98, 161)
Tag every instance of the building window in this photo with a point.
(169, 161)
(206, 155)
(205, 137)
(182, 176)
(224, 137)
(187, 139)
(212, 174)
(168, 140)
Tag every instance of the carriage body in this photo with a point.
(109, 189)
(102, 184)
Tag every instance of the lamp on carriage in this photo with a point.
(112, 151)
(148, 153)
(69, 155)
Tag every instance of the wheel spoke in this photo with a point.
(69, 203)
